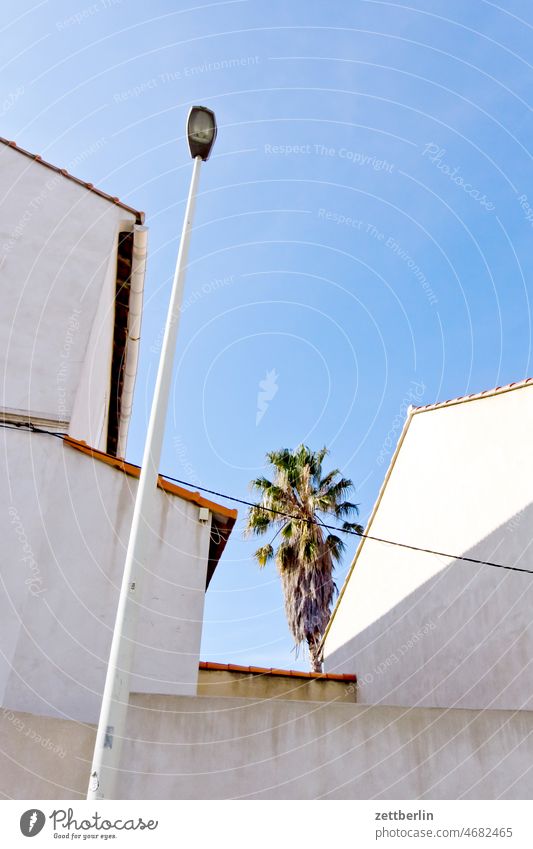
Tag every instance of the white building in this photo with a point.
(440, 631)
(73, 262)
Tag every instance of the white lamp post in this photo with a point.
(201, 134)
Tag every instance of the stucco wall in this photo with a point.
(90, 408)
(42, 757)
(216, 748)
(57, 246)
(420, 629)
(64, 524)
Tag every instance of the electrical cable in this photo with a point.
(361, 534)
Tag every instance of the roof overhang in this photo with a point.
(223, 518)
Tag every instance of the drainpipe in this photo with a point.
(138, 269)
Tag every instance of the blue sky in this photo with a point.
(363, 230)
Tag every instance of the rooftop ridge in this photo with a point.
(486, 393)
(89, 186)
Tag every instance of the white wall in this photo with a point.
(221, 748)
(216, 748)
(58, 254)
(419, 629)
(90, 410)
(69, 516)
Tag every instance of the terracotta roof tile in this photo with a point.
(37, 158)
(485, 393)
(286, 673)
(135, 471)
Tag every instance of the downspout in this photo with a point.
(138, 269)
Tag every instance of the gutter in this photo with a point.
(138, 270)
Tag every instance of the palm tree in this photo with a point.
(296, 499)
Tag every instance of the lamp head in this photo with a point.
(201, 131)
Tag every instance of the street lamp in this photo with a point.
(201, 134)
(201, 131)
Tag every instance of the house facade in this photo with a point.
(72, 264)
(429, 622)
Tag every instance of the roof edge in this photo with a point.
(476, 396)
(89, 186)
(167, 486)
(284, 673)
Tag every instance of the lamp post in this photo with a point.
(201, 134)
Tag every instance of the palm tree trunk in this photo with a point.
(315, 655)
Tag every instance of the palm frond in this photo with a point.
(353, 526)
(345, 508)
(288, 530)
(259, 522)
(264, 554)
(336, 546)
(318, 460)
(271, 492)
(339, 488)
(261, 484)
(281, 459)
(325, 482)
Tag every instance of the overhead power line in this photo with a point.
(361, 534)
